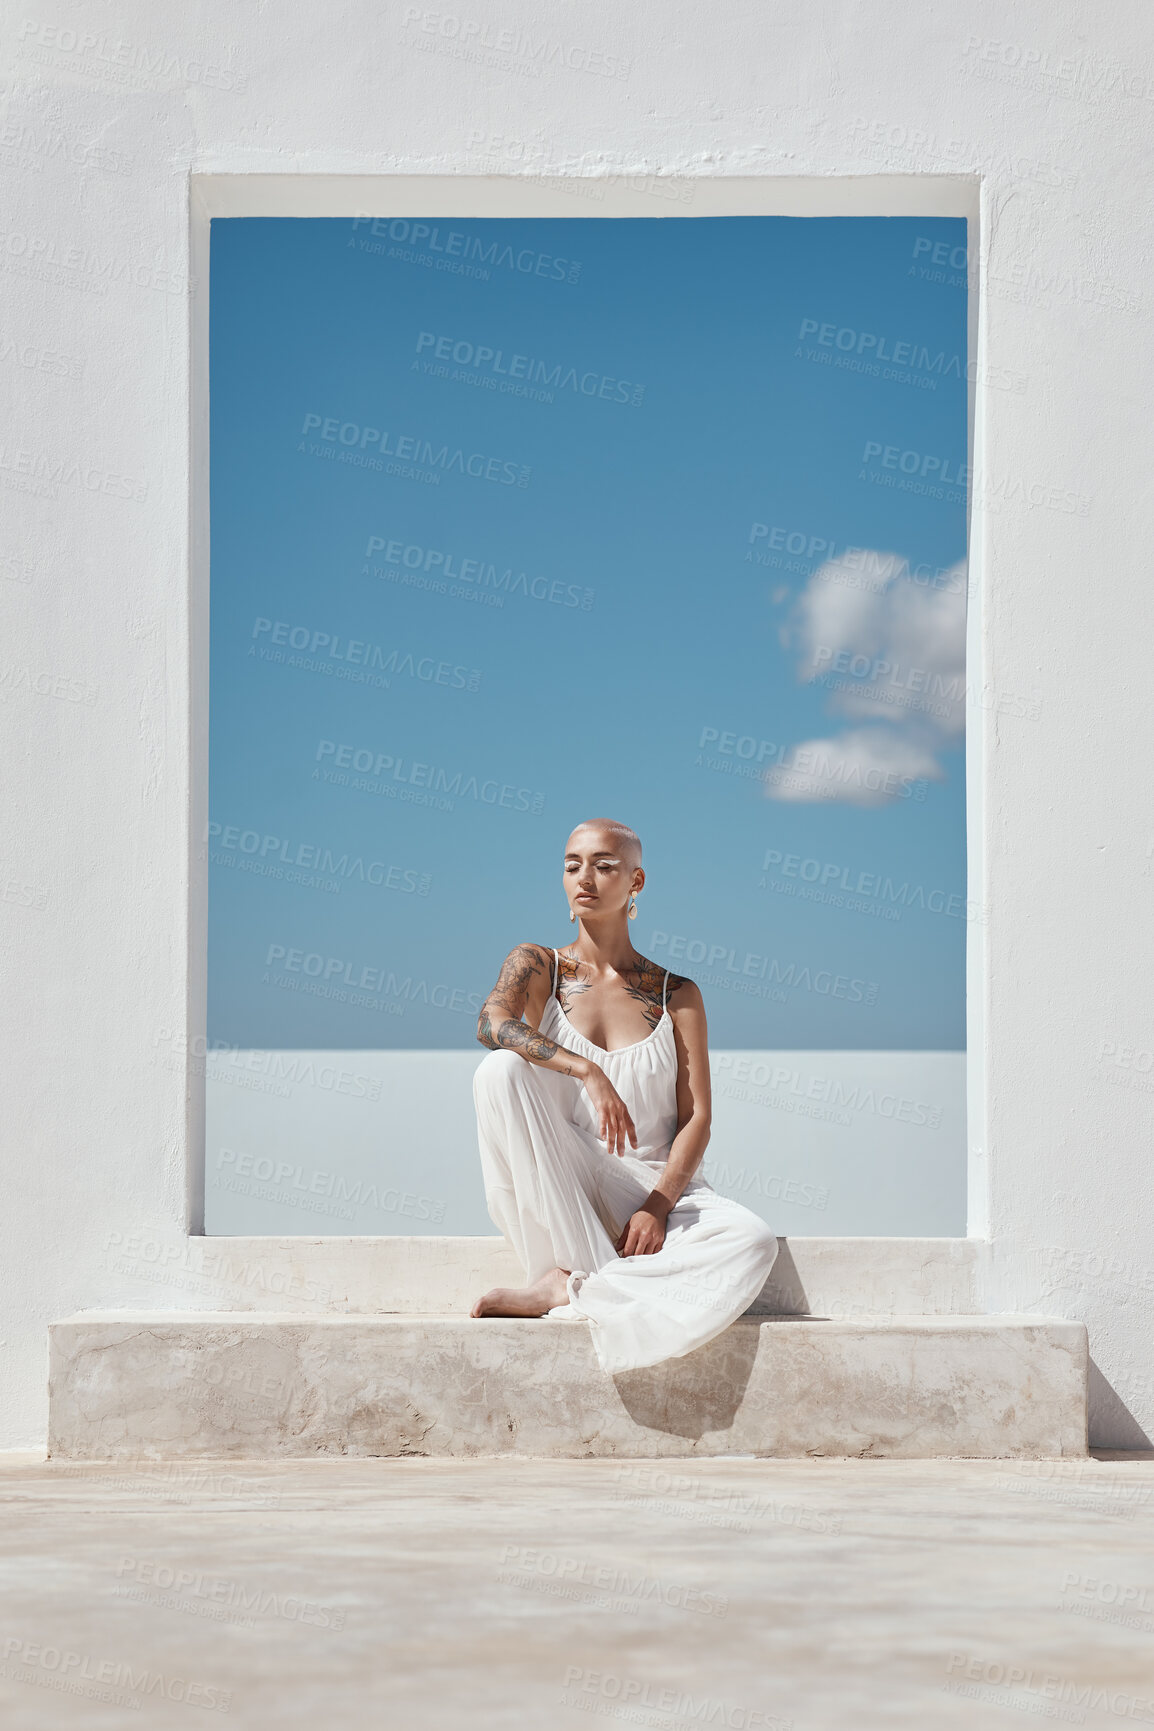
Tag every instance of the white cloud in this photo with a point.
(868, 766)
(890, 649)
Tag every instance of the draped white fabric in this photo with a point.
(561, 1199)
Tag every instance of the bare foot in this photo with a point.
(535, 1300)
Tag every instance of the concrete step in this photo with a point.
(210, 1385)
(426, 1276)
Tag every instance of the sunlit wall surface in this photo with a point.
(520, 522)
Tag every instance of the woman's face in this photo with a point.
(599, 877)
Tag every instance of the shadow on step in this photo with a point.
(783, 1293)
(690, 1396)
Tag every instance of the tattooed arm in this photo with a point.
(524, 984)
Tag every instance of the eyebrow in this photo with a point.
(605, 854)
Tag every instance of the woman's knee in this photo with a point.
(499, 1073)
(759, 1238)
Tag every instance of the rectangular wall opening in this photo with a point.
(532, 502)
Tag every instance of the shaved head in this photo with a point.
(620, 837)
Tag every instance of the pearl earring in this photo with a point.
(633, 907)
(572, 916)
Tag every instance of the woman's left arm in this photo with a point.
(645, 1231)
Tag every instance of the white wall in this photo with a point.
(107, 111)
(827, 1144)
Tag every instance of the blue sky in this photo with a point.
(396, 761)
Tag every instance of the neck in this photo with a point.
(605, 943)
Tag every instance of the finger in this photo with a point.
(632, 1131)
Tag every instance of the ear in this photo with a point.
(638, 881)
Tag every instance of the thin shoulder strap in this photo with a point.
(555, 962)
(664, 989)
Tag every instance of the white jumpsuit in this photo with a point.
(561, 1199)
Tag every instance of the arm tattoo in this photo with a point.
(506, 1001)
(517, 971)
(519, 1037)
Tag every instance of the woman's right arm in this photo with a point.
(524, 982)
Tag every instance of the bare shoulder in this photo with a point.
(684, 994)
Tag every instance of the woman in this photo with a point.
(593, 1117)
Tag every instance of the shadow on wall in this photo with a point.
(1110, 1416)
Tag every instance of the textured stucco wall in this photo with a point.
(107, 112)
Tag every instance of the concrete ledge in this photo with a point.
(422, 1276)
(133, 1385)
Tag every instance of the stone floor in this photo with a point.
(833, 1595)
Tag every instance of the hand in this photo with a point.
(644, 1233)
(613, 1121)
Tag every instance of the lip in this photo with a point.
(584, 896)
